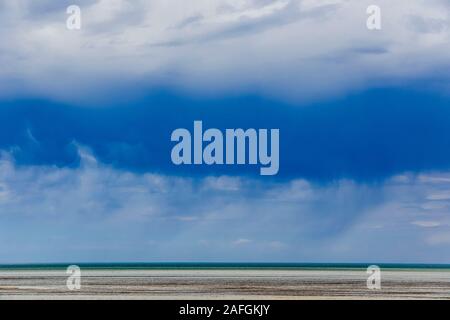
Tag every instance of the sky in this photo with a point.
(86, 118)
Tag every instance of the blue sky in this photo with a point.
(86, 118)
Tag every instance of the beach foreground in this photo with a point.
(224, 284)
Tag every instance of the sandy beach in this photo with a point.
(224, 284)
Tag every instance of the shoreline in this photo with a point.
(220, 284)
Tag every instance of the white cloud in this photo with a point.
(222, 183)
(98, 213)
(241, 241)
(295, 50)
(426, 224)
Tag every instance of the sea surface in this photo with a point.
(222, 265)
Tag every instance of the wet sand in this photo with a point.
(225, 284)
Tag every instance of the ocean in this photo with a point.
(221, 266)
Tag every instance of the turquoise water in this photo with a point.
(229, 266)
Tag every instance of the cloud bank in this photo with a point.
(97, 213)
(295, 50)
